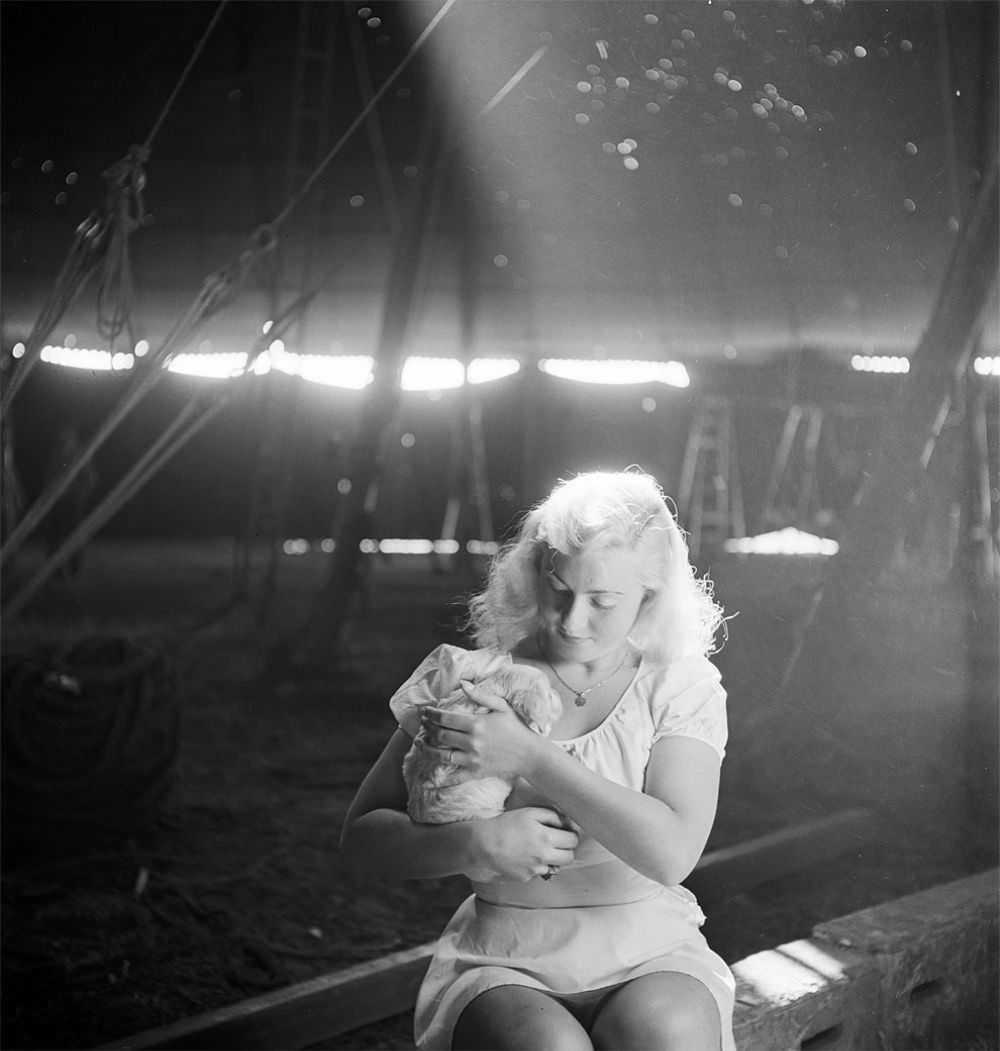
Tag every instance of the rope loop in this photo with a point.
(126, 180)
(220, 285)
(123, 213)
(92, 228)
(265, 238)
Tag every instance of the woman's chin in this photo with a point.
(569, 647)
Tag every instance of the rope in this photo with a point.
(170, 441)
(362, 115)
(123, 213)
(79, 264)
(217, 290)
(124, 210)
(375, 137)
(104, 233)
(90, 738)
(199, 47)
(182, 429)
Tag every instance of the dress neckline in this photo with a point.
(611, 713)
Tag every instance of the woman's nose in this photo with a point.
(574, 615)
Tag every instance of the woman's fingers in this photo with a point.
(485, 697)
(562, 857)
(461, 722)
(443, 730)
(545, 815)
(559, 837)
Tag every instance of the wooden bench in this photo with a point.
(916, 972)
(309, 1012)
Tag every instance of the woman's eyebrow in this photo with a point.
(593, 591)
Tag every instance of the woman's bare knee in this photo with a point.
(516, 1018)
(659, 1012)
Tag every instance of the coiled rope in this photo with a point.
(90, 740)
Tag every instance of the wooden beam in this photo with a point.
(730, 870)
(940, 361)
(307, 1013)
(301, 1014)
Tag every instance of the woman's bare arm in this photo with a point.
(379, 837)
(661, 831)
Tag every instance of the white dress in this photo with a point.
(598, 922)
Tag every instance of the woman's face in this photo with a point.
(588, 602)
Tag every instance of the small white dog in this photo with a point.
(436, 795)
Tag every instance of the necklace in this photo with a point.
(580, 696)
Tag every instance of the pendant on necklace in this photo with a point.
(579, 700)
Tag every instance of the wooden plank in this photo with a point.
(738, 868)
(303, 1013)
(309, 1012)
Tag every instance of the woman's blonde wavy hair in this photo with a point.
(627, 509)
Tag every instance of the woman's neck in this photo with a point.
(583, 673)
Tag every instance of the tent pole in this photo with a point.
(329, 613)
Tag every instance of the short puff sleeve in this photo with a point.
(690, 701)
(437, 675)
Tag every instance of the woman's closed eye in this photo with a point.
(599, 600)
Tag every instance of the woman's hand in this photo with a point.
(495, 743)
(522, 844)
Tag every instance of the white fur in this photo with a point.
(437, 795)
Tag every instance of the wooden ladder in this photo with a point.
(792, 495)
(709, 496)
(309, 138)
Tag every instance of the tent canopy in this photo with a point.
(699, 181)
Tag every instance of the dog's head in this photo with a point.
(528, 691)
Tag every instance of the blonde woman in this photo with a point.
(580, 936)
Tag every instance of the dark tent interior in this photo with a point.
(304, 304)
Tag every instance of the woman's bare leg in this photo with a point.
(515, 1018)
(666, 1011)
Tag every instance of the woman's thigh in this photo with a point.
(666, 1011)
(516, 1017)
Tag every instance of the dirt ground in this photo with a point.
(231, 885)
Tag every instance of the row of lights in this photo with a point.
(987, 365)
(394, 546)
(788, 541)
(355, 372)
